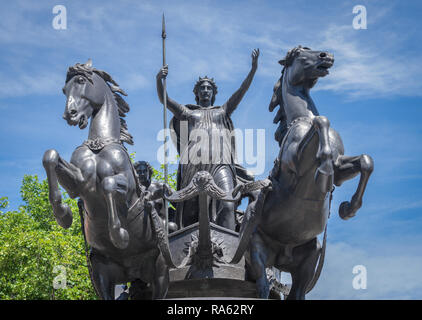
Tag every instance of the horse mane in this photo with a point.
(87, 70)
(280, 116)
(277, 99)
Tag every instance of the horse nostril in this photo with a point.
(72, 112)
(323, 54)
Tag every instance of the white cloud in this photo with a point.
(363, 68)
(205, 38)
(134, 81)
(23, 84)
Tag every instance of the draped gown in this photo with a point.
(206, 142)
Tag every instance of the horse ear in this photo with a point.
(282, 62)
(89, 63)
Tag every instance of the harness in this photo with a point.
(98, 144)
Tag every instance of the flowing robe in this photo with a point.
(216, 152)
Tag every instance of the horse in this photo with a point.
(127, 242)
(284, 220)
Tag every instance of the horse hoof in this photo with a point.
(120, 239)
(344, 210)
(64, 216)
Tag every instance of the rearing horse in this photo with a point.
(284, 222)
(124, 237)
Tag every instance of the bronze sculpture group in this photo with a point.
(199, 252)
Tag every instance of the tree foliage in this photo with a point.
(32, 244)
(158, 175)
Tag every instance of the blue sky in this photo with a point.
(372, 97)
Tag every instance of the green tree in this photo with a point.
(32, 245)
(158, 175)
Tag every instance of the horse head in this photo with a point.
(301, 69)
(304, 66)
(86, 89)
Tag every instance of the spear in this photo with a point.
(163, 36)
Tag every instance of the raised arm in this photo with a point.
(235, 99)
(178, 110)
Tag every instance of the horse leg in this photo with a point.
(310, 144)
(69, 176)
(305, 270)
(161, 279)
(258, 257)
(112, 186)
(138, 290)
(347, 168)
(104, 273)
(325, 172)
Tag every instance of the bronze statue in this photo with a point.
(283, 222)
(125, 241)
(145, 171)
(205, 117)
(124, 212)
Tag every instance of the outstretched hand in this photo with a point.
(255, 55)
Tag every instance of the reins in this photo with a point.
(321, 259)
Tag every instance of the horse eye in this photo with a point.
(81, 80)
